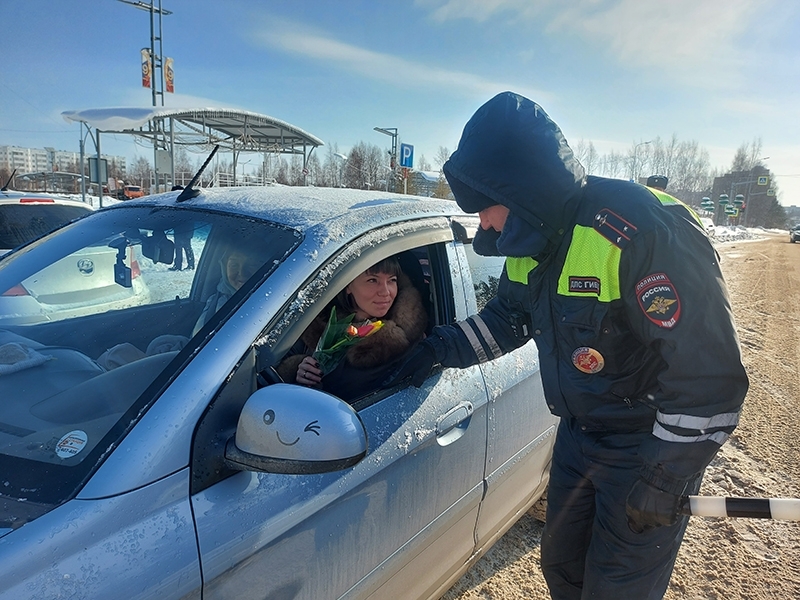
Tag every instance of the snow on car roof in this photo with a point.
(17, 197)
(306, 208)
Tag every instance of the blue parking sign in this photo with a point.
(407, 156)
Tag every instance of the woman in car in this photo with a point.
(383, 292)
(238, 265)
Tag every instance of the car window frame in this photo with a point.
(269, 348)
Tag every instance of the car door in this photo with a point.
(521, 428)
(400, 523)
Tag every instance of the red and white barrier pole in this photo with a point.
(783, 509)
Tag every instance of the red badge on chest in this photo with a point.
(659, 300)
(588, 360)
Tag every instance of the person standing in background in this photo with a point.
(182, 234)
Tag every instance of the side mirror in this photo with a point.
(296, 430)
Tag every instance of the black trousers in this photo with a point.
(588, 550)
(183, 242)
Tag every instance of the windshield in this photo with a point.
(100, 311)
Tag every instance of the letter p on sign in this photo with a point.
(407, 156)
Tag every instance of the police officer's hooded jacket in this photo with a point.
(618, 285)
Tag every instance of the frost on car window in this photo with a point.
(485, 272)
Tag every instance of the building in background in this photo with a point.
(756, 198)
(429, 183)
(48, 168)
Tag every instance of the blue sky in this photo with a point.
(613, 72)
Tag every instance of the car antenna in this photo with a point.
(189, 192)
(5, 187)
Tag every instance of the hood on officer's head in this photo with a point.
(512, 153)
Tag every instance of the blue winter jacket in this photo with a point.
(618, 285)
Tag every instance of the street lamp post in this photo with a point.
(392, 133)
(635, 150)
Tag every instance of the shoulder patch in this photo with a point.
(614, 228)
(659, 300)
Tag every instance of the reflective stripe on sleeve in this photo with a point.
(699, 423)
(473, 340)
(720, 437)
(486, 335)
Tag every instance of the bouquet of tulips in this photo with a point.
(338, 336)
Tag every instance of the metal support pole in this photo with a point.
(99, 170)
(171, 150)
(391, 132)
(83, 180)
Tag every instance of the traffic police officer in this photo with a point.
(622, 292)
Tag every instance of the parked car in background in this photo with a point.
(25, 216)
(129, 192)
(794, 234)
(82, 282)
(185, 468)
(708, 225)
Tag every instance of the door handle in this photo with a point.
(453, 424)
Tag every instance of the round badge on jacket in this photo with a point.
(588, 360)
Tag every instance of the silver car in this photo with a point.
(80, 283)
(140, 460)
(24, 216)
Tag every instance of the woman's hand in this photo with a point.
(309, 373)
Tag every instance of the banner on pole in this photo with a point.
(146, 68)
(169, 75)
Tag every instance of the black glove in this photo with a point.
(418, 365)
(648, 507)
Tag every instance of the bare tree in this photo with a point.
(184, 170)
(442, 154)
(333, 167)
(747, 156)
(638, 159)
(296, 175)
(141, 173)
(690, 176)
(315, 171)
(364, 167)
(281, 172)
(612, 164)
(423, 164)
(662, 156)
(587, 156)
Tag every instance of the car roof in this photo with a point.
(306, 208)
(17, 197)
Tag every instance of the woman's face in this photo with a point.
(239, 268)
(373, 294)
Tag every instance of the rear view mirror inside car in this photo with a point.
(158, 248)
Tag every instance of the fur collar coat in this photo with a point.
(370, 361)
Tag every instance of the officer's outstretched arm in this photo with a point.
(494, 331)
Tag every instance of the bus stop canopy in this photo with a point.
(233, 130)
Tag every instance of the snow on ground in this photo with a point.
(724, 234)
